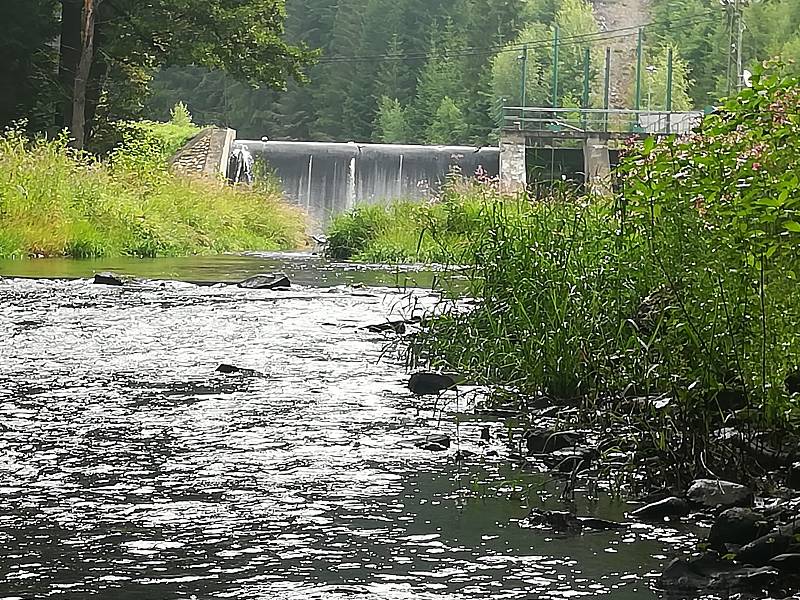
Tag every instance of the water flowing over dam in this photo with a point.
(329, 178)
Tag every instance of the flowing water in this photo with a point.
(130, 469)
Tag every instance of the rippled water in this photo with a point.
(130, 469)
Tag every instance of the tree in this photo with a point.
(448, 125)
(243, 38)
(391, 125)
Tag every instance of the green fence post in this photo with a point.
(607, 89)
(555, 67)
(669, 90)
(524, 93)
(585, 102)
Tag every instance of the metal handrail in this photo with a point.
(588, 120)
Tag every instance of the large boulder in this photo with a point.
(794, 476)
(737, 526)
(711, 493)
(430, 384)
(266, 282)
(787, 563)
(436, 442)
(658, 511)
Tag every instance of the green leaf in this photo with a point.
(792, 226)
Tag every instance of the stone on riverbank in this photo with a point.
(546, 441)
(738, 526)
(107, 279)
(266, 282)
(787, 563)
(711, 493)
(794, 476)
(658, 511)
(430, 384)
(709, 573)
(761, 551)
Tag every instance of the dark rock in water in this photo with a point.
(227, 369)
(737, 526)
(435, 442)
(666, 508)
(728, 400)
(577, 462)
(465, 454)
(559, 521)
(711, 493)
(266, 282)
(759, 552)
(486, 434)
(398, 327)
(107, 279)
(787, 563)
(430, 384)
(708, 573)
(600, 524)
(546, 441)
(792, 382)
(794, 476)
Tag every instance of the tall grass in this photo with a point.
(58, 202)
(439, 230)
(683, 287)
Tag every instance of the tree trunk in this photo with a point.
(82, 73)
(69, 56)
(99, 71)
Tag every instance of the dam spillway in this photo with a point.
(326, 179)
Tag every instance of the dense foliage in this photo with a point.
(131, 41)
(675, 300)
(55, 201)
(411, 71)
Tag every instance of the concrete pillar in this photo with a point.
(513, 167)
(597, 166)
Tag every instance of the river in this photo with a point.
(131, 469)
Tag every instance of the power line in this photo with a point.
(498, 49)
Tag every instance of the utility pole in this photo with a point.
(607, 88)
(639, 44)
(740, 36)
(735, 9)
(524, 94)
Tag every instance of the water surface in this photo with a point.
(129, 469)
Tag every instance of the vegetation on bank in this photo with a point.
(664, 313)
(55, 201)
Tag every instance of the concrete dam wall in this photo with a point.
(329, 178)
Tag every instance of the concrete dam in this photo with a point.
(326, 179)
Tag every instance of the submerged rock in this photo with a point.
(430, 384)
(398, 327)
(787, 563)
(547, 441)
(711, 493)
(793, 480)
(709, 573)
(761, 551)
(737, 526)
(667, 508)
(436, 442)
(561, 521)
(107, 279)
(266, 282)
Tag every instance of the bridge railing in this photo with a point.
(583, 121)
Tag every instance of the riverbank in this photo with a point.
(665, 314)
(58, 202)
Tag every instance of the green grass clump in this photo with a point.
(58, 202)
(436, 231)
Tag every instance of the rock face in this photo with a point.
(266, 282)
(107, 279)
(737, 526)
(546, 441)
(711, 493)
(667, 508)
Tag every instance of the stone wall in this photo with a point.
(206, 153)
